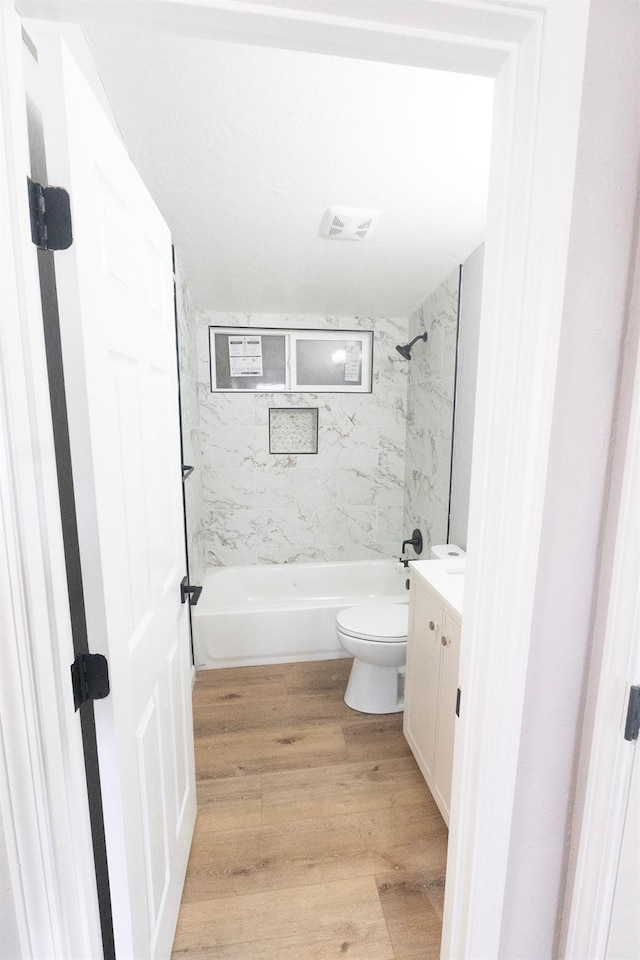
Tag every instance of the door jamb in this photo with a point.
(538, 93)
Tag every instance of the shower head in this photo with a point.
(405, 349)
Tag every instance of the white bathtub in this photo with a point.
(284, 613)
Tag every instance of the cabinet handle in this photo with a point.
(432, 625)
(444, 640)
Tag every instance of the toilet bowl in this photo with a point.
(375, 634)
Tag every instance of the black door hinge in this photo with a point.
(50, 209)
(458, 698)
(632, 726)
(89, 678)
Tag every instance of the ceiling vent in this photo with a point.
(348, 223)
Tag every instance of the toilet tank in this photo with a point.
(445, 551)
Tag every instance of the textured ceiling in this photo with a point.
(243, 149)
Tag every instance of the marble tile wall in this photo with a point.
(188, 362)
(343, 503)
(430, 413)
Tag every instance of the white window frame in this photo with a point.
(291, 338)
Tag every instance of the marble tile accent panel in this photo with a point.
(441, 308)
(218, 555)
(389, 327)
(426, 358)
(300, 555)
(298, 321)
(197, 562)
(230, 489)
(353, 445)
(391, 457)
(232, 448)
(297, 487)
(430, 428)
(193, 503)
(429, 503)
(336, 527)
(389, 522)
(386, 410)
(390, 370)
(186, 316)
(260, 404)
(370, 551)
(449, 337)
(331, 553)
(251, 528)
(361, 488)
(190, 421)
(225, 409)
(190, 445)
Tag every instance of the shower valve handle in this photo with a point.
(415, 542)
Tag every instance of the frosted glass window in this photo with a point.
(251, 359)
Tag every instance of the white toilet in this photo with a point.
(375, 634)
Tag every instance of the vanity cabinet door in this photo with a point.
(450, 646)
(422, 678)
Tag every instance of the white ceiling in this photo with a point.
(243, 149)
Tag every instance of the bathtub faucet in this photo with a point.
(415, 542)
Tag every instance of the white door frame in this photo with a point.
(538, 76)
(611, 757)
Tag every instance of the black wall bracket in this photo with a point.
(50, 210)
(187, 590)
(89, 678)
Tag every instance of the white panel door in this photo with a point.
(116, 312)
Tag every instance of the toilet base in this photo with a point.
(375, 689)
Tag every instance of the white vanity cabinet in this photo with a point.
(431, 689)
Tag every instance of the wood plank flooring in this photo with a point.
(316, 837)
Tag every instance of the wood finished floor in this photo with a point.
(316, 837)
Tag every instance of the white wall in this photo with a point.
(466, 371)
(585, 418)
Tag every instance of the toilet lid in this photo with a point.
(380, 621)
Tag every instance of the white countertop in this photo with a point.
(446, 577)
